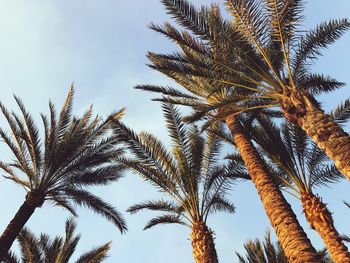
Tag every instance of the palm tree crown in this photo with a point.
(76, 153)
(60, 249)
(260, 60)
(190, 175)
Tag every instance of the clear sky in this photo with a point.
(101, 47)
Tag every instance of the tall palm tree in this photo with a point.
(300, 167)
(267, 252)
(190, 175)
(264, 56)
(43, 249)
(213, 100)
(74, 154)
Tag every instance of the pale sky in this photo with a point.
(101, 47)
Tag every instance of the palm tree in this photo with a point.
(264, 56)
(267, 252)
(74, 154)
(57, 250)
(213, 100)
(190, 175)
(300, 167)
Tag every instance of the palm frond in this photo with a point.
(160, 205)
(186, 15)
(342, 113)
(315, 40)
(100, 176)
(326, 175)
(29, 247)
(95, 255)
(218, 204)
(249, 20)
(66, 114)
(168, 91)
(316, 84)
(94, 203)
(31, 133)
(164, 219)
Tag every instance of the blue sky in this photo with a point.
(101, 47)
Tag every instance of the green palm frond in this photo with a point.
(164, 219)
(86, 199)
(43, 249)
(190, 174)
(74, 151)
(314, 41)
(186, 15)
(95, 255)
(326, 175)
(221, 204)
(342, 113)
(284, 17)
(31, 135)
(317, 83)
(249, 20)
(169, 91)
(160, 205)
(29, 247)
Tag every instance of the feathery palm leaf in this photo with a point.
(43, 249)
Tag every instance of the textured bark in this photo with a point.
(291, 235)
(203, 243)
(324, 131)
(320, 219)
(33, 200)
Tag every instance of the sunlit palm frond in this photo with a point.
(187, 16)
(310, 45)
(317, 83)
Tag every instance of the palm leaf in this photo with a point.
(164, 219)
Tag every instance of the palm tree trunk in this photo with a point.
(33, 200)
(291, 235)
(203, 243)
(323, 130)
(321, 220)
